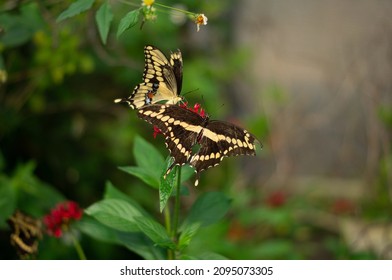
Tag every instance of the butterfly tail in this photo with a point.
(197, 179)
(124, 100)
(169, 170)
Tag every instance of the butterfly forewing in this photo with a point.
(162, 80)
(180, 136)
(176, 63)
(231, 139)
(221, 139)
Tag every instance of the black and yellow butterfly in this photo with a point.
(183, 129)
(162, 80)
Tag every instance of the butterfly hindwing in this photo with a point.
(221, 139)
(183, 129)
(179, 137)
(231, 139)
(162, 80)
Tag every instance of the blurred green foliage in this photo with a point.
(62, 138)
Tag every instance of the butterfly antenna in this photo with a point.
(184, 100)
(188, 92)
(221, 106)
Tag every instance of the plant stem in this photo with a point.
(170, 252)
(177, 203)
(78, 247)
(167, 219)
(176, 213)
(172, 8)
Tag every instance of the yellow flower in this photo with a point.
(148, 3)
(201, 19)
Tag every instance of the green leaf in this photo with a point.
(112, 193)
(155, 231)
(30, 190)
(115, 213)
(142, 245)
(135, 241)
(166, 185)
(18, 28)
(209, 208)
(7, 200)
(128, 21)
(147, 156)
(143, 174)
(186, 173)
(149, 161)
(104, 17)
(187, 234)
(75, 8)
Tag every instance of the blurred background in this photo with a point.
(312, 80)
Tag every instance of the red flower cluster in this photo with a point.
(61, 216)
(195, 109)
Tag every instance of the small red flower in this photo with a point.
(156, 131)
(59, 218)
(195, 109)
(276, 199)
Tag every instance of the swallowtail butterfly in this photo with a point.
(25, 233)
(162, 80)
(184, 129)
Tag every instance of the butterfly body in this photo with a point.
(183, 129)
(162, 80)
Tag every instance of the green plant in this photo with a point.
(119, 219)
